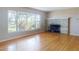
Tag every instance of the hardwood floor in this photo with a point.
(42, 42)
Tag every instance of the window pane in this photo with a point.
(11, 21)
(21, 22)
(37, 25)
(31, 22)
(37, 16)
(38, 21)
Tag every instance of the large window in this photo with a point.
(23, 21)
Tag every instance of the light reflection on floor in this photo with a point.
(28, 44)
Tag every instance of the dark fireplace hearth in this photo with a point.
(54, 28)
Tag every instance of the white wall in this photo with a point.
(4, 22)
(74, 26)
(65, 13)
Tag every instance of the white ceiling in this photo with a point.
(50, 8)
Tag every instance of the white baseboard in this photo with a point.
(20, 36)
(74, 34)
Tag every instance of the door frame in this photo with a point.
(69, 18)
